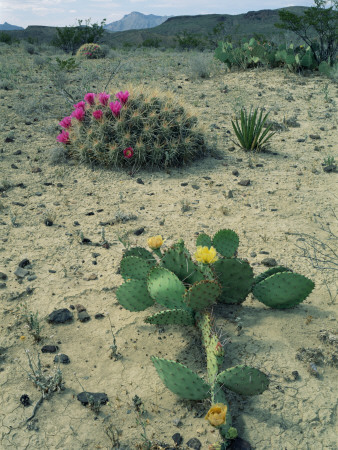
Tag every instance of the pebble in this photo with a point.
(244, 182)
(90, 277)
(99, 316)
(62, 358)
(83, 316)
(97, 398)
(60, 316)
(139, 181)
(269, 262)
(21, 273)
(194, 443)
(235, 173)
(195, 186)
(3, 276)
(50, 349)
(177, 438)
(25, 262)
(315, 136)
(139, 231)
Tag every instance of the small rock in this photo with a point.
(235, 172)
(295, 375)
(244, 182)
(83, 316)
(90, 213)
(25, 262)
(99, 316)
(18, 152)
(31, 277)
(230, 194)
(253, 254)
(315, 136)
(50, 349)
(177, 422)
(330, 168)
(269, 262)
(3, 285)
(80, 307)
(194, 443)
(25, 400)
(177, 438)
(9, 139)
(184, 184)
(195, 186)
(21, 273)
(90, 277)
(139, 181)
(60, 316)
(3, 276)
(92, 397)
(36, 170)
(139, 231)
(62, 358)
(300, 140)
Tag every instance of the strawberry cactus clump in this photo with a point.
(138, 127)
(187, 290)
(90, 51)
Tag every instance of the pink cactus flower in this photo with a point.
(128, 152)
(80, 105)
(115, 108)
(97, 114)
(122, 96)
(79, 114)
(90, 98)
(66, 122)
(63, 137)
(104, 98)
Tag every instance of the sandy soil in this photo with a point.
(288, 193)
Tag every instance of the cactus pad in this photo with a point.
(203, 294)
(134, 267)
(270, 272)
(181, 380)
(172, 317)
(244, 380)
(283, 290)
(166, 288)
(179, 261)
(203, 240)
(236, 277)
(226, 242)
(141, 253)
(134, 296)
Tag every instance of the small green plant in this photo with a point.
(33, 322)
(68, 64)
(6, 38)
(140, 128)
(90, 51)
(329, 161)
(187, 290)
(250, 132)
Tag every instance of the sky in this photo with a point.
(67, 12)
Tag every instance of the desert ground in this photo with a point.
(49, 204)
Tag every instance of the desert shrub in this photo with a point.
(151, 42)
(142, 129)
(29, 48)
(90, 51)
(200, 66)
(318, 27)
(5, 38)
(188, 41)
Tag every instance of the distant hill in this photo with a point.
(237, 26)
(136, 21)
(7, 26)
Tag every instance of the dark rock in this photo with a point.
(50, 349)
(36, 170)
(259, 165)
(93, 398)
(25, 262)
(31, 277)
(19, 204)
(9, 139)
(139, 181)
(195, 186)
(244, 182)
(90, 213)
(239, 444)
(177, 438)
(235, 173)
(48, 222)
(207, 178)
(21, 273)
(18, 152)
(83, 316)
(80, 308)
(3, 276)
(99, 316)
(59, 185)
(184, 184)
(301, 140)
(330, 168)
(139, 231)
(62, 358)
(230, 194)
(76, 223)
(3, 285)
(269, 262)
(194, 443)
(177, 422)
(295, 375)
(315, 136)
(60, 316)
(253, 254)
(25, 400)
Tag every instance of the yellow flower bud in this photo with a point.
(206, 255)
(217, 414)
(22, 338)
(155, 242)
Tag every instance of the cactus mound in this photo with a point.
(90, 51)
(244, 380)
(172, 317)
(134, 296)
(283, 290)
(148, 129)
(181, 380)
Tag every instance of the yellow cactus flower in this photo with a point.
(155, 242)
(206, 255)
(217, 414)
(22, 338)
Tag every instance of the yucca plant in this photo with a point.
(250, 132)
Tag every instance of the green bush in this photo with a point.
(5, 38)
(140, 129)
(90, 51)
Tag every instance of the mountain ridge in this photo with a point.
(136, 21)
